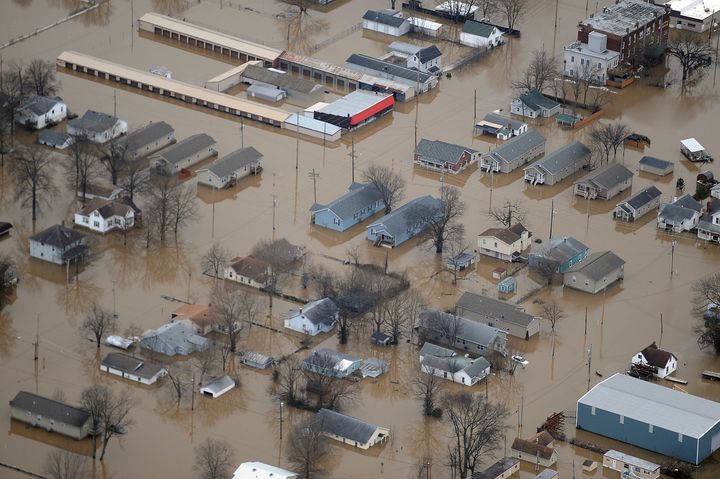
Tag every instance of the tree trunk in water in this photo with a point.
(95, 431)
(34, 204)
(105, 443)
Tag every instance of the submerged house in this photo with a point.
(502, 469)
(447, 364)
(331, 363)
(51, 415)
(534, 104)
(495, 313)
(103, 216)
(259, 470)
(604, 183)
(638, 204)
(58, 244)
(708, 228)
(313, 318)
(176, 338)
(514, 153)
(41, 111)
(560, 253)
(232, 167)
(445, 157)
(132, 368)
(664, 363)
(359, 203)
(630, 466)
(595, 273)
(146, 140)
(97, 127)
(537, 449)
(390, 22)
(350, 430)
(500, 127)
(504, 243)
(655, 166)
(248, 271)
(184, 154)
(401, 224)
(558, 165)
(683, 214)
(480, 35)
(461, 333)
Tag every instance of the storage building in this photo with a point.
(355, 109)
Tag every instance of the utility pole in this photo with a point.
(281, 418)
(324, 132)
(552, 215)
(113, 291)
(475, 109)
(352, 156)
(417, 106)
(589, 362)
(585, 321)
(189, 280)
(192, 393)
(427, 469)
(242, 133)
(314, 176)
(37, 337)
(114, 102)
(297, 144)
(672, 258)
(274, 205)
(661, 324)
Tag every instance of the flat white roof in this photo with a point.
(692, 144)
(233, 71)
(315, 107)
(178, 87)
(312, 124)
(423, 23)
(632, 460)
(259, 470)
(456, 5)
(697, 9)
(211, 36)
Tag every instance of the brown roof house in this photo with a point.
(538, 449)
(664, 362)
(203, 316)
(504, 243)
(248, 271)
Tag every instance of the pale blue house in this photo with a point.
(399, 225)
(359, 203)
(563, 253)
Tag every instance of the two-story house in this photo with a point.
(41, 111)
(708, 228)
(102, 216)
(683, 214)
(58, 244)
(663, 362)
(504, 243)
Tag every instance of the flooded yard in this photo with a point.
(160, 443)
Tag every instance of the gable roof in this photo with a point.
(321, 311)
(441, 152)
(40, 105)
(607, 176)
(598, 265)
(322, 357)
(559, 250)
(494, 308)
(358, 197)
(653, 404)
(429, 53)
(281, 80)
(187, 147)
(348, 427)
(454, 364)
(147, 134)
(234, 161)
(517, 146)
(657, 357)
(218, 384)
(378, 65)
(384, 18)
(503, 121)
(53, 138)
(562, 158)
(58, 236)
(506, 235)
(399, 220)
(643, 197)
(259, 470)
(480, 29)
(655, 162)
(50, 408)
(537, 445)
(535, 100)
(468, 329)
(132, 365)
(94, 121)
(250, 267)
(175, 335)
(106, 208)
(673, 212)
(430, 349)
(492, 472)
(687, 201)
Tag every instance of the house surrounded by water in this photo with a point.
(401, 224)
(358, 204)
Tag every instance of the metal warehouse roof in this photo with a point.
(308, 123)
(625, 16)
(353, 103)
(646, 402)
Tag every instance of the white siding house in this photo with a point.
(313, 318)
(103, 216)
(132, 369)
(480, 35)
(41, 111)
(227, 170)
(590, 60)
(664, 362)
(389, 22)
(97, 127)
(248, 271)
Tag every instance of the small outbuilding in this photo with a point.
(656, 166)
(480, 35)
(55, 139)
(256, 360)
(502, 469)
(630, 466)
(694, 151)
(595, 273)
(425, 26)
(380, 338)
(389, 22)
(217, 387)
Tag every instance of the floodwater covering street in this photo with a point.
(138, 280)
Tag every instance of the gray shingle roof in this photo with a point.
(187, 147)
(481, 29)
(534, 100)
(598, 265)
(94, 121)
(560, 249)
(384, 18)
(496, 469)
(53, 138)
(706, 224)
(324, 356)
(440, 152)
(687, 201)
(503, 120)
(282, 80)
(655, 162)
(351, 428)
(643, 197)
(469, 330)
(675, 213)
(50, 408)
(322, 311)
(218, 384)
(387, 67)
(493, 308)
(58, 236)
(429, 349)
(607, 176)
(562, 158)
(40, 104)
(429, 53)
(506, 235)
(518, 146)
(650, 403)
(234, 161)
(359, 196)
(547, 474)
(398, 221)
(129, 364)
(147, 134)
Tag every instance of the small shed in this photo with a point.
(217, 387)
(265, 93)
(589, 465)
(118, 342)
(373, 368)
(499, 273)
(380, 338)
(461, 261)
(5, 228)
(508, 285)
(256, 360)
(656, 166)
(706, 178)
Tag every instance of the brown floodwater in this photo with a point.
(160, 443)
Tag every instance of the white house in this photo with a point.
(504, 243)
(664, 362)
(428, 59)
(390, 22)
(480, 35)
(445, 363)
(97, 127)
(132, 368)
(217, 387)
(350, 430)
(683, 214)
(708, 227)
(315, 317)
(102, 216)
(231, 168)
(534, 104)
(248, 271)
(424, 26)
(590, 61)
(259, 470)
(41, 111)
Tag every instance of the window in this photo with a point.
(650, 428)
(622, 419)
(592, 410)
(572, 58)
(680, 437)
(574, 278)
(691, 25)
(96, 224)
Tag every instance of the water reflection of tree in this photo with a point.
(164, 264)
(207, 411)
(170, 7)
(77, 297)
(126, 263)
(300, 27)
(7, 334)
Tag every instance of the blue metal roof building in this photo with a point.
(653, 417)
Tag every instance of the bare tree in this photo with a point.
(456, 9)
(448, 326)
(289, 378)
(109, 411)
(134, 177)
(13, 87)
(115, 156)
(6, 135)
(308, 450)
(512, 10)
(428, 389)
(183, 207)
(477, 427)
(279, 259)
(598, 97)
(39, 77)
(230, 309)
(487, 8)
(390, 185)
(540, 72)
(160, 193)
(98, 322)
(546, 267)
(330, 391)
(706, 306)
(510, 213)
(206, 362)
(213, 458)
(61, 464)
(397, 313)
(609, 138)
(179, 380)
(694, 53)
(83, 165)
(33, 178)
(215, 260)
(455, 254)
(553, 312)
(301, 5)
(440, 223)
